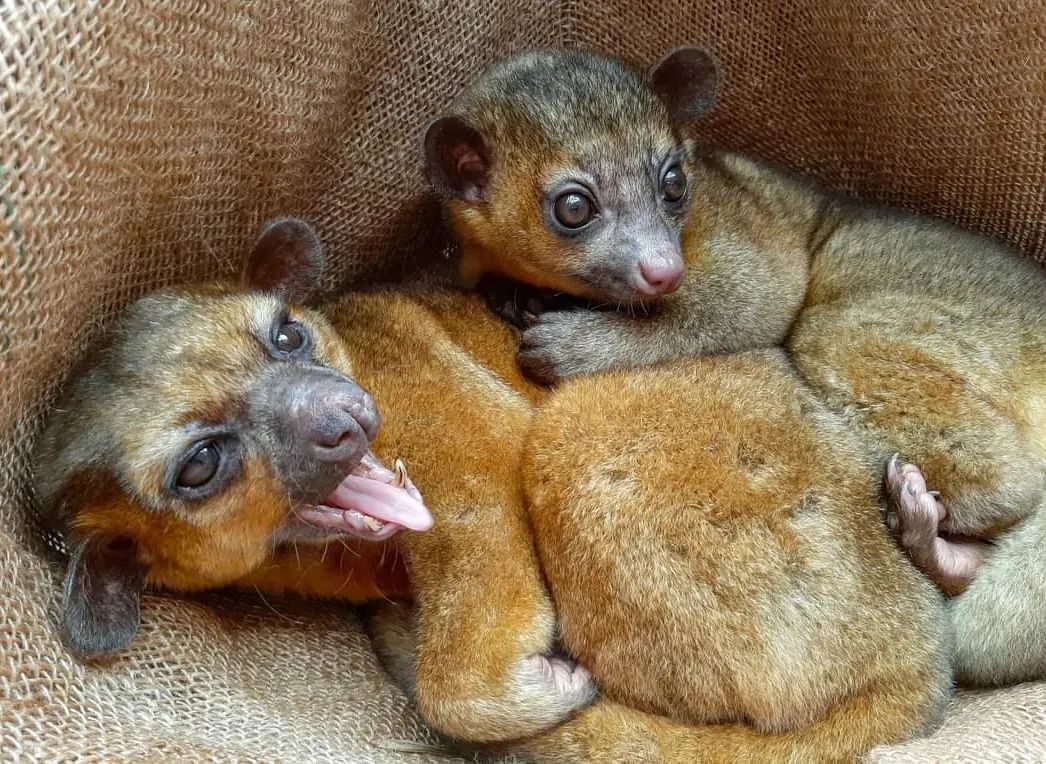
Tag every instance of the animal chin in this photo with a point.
(372, 503)
(627, 298)
(614, 291)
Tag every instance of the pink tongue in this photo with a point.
(382, 501)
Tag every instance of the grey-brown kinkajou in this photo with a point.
(713, 541)
(575, 174)
(224, 434)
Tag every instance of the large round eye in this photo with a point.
(673, 183)
(289, 336)
(201, 467)
(573, 209)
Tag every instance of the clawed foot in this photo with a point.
(915, 514)
(539, 692)
(566, 343)
(561, 677)
(535, 693)
(519, 304)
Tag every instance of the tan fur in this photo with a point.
(934, 341)
(724, 562)
(712, 538)
(607, 733)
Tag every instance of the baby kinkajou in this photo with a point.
(224, 435)
(573, 173)
(712, 537)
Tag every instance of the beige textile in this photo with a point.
(143, 143)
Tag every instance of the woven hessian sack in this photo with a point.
(143, 143)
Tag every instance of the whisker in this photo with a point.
(269, 605)
(345, 582)
(348, 548)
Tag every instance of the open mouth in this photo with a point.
(372, 502)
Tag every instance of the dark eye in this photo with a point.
(573, 209)
(673, 183)
(201, 467)
(289, 336)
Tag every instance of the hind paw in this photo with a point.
(538, 693)
(561, 677)
(914, 513)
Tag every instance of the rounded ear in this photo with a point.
(686, 81)
(103, 592)
(457, 159)
(287, 259)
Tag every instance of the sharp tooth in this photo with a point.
(401, 478)
(373, 523)
(368, 522)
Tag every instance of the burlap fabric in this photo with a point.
(142, 143)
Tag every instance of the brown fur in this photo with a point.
(606, 733)
(224, 539)
(480, 235)
(460, 426)
(929, 339)
(712, 538)
(782, 595)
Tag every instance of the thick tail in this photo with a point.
(608, 732)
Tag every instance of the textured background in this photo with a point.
(143, 143)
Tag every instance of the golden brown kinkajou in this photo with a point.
(712, 538)
(575, 174)
(223, 435)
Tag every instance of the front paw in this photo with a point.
(514, 303)
(560, 344)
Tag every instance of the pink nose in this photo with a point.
(661, 274)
